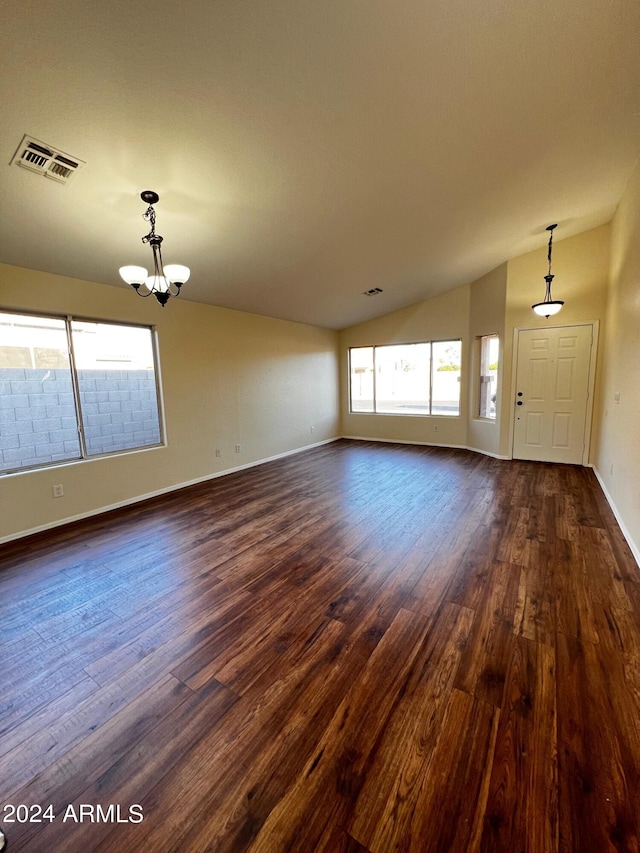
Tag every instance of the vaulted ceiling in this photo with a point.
(306, 151)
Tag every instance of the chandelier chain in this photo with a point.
(150, 216)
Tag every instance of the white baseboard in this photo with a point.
(635, 549)
(488, 453)
(425, 444)
(402, 441)
(139, 498)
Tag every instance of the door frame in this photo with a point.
(595, 331)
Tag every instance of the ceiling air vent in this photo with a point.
(45, 160)
(373, 292)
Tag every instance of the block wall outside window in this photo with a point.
(43, 390)
(119, 402)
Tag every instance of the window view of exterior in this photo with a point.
(38, 423)
(402, 379)
(445, 391)
(113, 369)
(117, 385)
(489, 354)
(406, 379)
(361, 366)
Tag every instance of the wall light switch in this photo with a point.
(616, 397)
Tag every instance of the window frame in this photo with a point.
(428, 414)
(85, 456)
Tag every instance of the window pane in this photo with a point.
(116, 378)
(488, 376)
(37, 410)
(361, 371)
(445, 395)
(402, 379)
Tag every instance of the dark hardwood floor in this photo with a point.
(358, 648)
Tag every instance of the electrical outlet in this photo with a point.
(58, 491)
(237, 448)
(435, 429)
(218, 451)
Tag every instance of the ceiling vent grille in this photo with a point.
(45, 160)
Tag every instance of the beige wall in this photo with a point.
(234, 378)
(441, 318)
(498, 302)
(581, 270)
(466, 313)
(617, 458)
(228, 378)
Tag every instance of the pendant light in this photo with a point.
(163, 281)
(548, 306)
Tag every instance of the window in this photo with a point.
(361, 361)
(406, 379)
(489, 353)
(72, 389)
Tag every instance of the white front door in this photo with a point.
(552, 392)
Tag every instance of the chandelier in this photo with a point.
(548, 306)
(164, 281)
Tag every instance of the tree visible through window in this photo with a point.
(406, 379)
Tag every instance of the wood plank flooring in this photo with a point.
(362, 648)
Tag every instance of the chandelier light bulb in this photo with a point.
(177, 274)
(157, 283)
(134, 275)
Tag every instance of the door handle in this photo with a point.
(519, 403)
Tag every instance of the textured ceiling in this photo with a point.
(305, 152)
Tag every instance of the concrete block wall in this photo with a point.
(38, 414)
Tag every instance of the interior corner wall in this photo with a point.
(486, 317)
(444, 317)
(617, 457)
(581, 275)
(228, 378)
